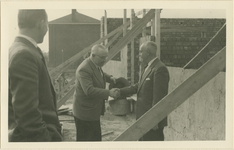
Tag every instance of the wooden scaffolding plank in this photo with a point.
(131, 34)
(114, 38)
(174, 99)
(67, 86)
(124, 21)
(61, 101)
(214, 39)
(158, 32)
(60, 68)
(141, 12)
(132, 20)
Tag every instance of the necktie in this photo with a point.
(43, 59)
(143, 71)
(100, 70)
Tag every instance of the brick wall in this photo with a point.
(181, 40)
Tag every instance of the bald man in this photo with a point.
(90, 95)
(151, 88)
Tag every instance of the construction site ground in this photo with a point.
(111, 125)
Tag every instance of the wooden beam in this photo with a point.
(61, 101)
(141, 12)
(153, 27)
(157, 31)
(105, 27)
(67, 86)
(144, 28)
(131, 34)
(60, 68)
(114, 38)
(102, 27)
(132, 48)
(213, 40)
(124, 21)
(170, 102)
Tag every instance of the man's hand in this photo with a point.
(115, 93)
(155, 128)
(113, 79)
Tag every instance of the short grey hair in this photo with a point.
(28, 18)
(96, 48)
(151, 47)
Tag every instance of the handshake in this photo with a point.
(115, 93)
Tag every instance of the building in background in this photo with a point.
(69, 35)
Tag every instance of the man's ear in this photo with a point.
(40, 24)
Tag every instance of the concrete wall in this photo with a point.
(202, 116)
(117, 68)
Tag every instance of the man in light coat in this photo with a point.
(90, 95)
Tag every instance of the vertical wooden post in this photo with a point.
(101, 27)
(153, 27)
(144, 29)
(157, 31)
(124, 21)
(132, 48)
(105, 27)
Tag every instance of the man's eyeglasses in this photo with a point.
(102, 57)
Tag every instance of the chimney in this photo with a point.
(74, 15)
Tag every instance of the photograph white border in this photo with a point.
(7, 6)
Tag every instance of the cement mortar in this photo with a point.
(202, 116)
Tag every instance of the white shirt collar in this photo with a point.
(151, 61)
(28, 38)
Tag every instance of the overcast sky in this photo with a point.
(166, 13)
(116, 13)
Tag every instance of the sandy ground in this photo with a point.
(114, 125)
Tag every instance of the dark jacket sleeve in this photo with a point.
(107, 76)
(85, 78)
(24, 74)
(130, 90)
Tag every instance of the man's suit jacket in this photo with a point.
(152, 87)
(32, 101)
(90, 93)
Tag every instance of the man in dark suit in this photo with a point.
(90, 95)
(32, 108)
(152, 87)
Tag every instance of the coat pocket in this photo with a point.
(87, 105)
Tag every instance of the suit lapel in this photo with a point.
(36, 52)
(97, 73)
(156, 61)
